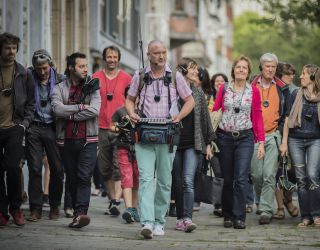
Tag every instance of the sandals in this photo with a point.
(294, 212)
(249, 209)
(316, 222)
(279, 215)
(306, 222)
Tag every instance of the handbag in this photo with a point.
(283, 182)
(215, 118)
(207, 188)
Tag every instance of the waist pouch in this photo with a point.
(156, 134)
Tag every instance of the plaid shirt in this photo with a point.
(151, 107)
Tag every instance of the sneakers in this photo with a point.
(189, 226)
(80, 221)
(114, 208)
(18, 217)
(180, 225)
(128, 215)
(34, 216)
(172, 210)
(54, 213)
(136, 215)
(146, 231)
(158, 230)
(4, 219)
(264, 219)
(45, 200)
(68, 212)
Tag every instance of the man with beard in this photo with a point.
(77, 133)
(113, 84)
(41, 136)
(16, 113)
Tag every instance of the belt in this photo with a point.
(42, 124)
(235, 134)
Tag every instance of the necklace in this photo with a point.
(110, 94)
(236, 109)
(265, 102)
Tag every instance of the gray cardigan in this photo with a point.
(64, 111)
(203, 131)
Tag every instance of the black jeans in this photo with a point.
(79, 160)
(37, 139)
(10, 155)
(235, 160)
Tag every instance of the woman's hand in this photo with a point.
(284, 149)
(260, 153)
(209, 154)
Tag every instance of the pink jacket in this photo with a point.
(256, 112)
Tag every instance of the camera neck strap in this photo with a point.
(12, 76)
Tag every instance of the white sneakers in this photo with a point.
(158, 230)
(148, 231)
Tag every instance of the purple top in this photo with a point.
(151, 107)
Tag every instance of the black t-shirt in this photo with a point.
(310, 128)
(187, 131)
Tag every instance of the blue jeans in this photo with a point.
(305, 156)
(79, 160)
(184, 169)
(235, 158)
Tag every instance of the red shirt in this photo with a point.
(116, 87)
(75, 93)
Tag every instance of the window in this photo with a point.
(103, 20)
(179, 5)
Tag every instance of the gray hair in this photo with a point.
(41, 56)
(268, 57)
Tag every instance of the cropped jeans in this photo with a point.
(305, 156)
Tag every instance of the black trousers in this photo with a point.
(79, 159)
(10, 173)
(38, 139)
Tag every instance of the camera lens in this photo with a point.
(308, 117)
(7, 92)
(43, 103)
(157, 98)
(109, 96)
(237, 110)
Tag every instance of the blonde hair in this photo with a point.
(241, 58)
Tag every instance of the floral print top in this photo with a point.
(237, 109)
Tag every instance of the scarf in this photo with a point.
(294, 119)
(36, 87)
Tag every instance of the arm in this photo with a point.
(130, 106)
(59, 108)
(219, 99)
(30, 103)
(186, 109)
(91, 110)
(257, 122)
(284, 143)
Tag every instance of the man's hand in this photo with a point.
(176, 119)
(134, 117)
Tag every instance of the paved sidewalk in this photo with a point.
(107, 232)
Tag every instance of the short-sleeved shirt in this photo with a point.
(151, 107)
(237, 101)
(116, 87)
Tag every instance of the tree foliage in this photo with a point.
(295, 43)
(296, 11)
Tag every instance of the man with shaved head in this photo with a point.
(157, 96)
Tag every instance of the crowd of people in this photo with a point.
(145, 137)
